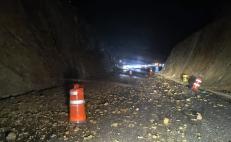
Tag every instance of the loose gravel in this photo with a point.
(123, 110)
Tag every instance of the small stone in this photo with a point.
(53, 136)
(151, 120)
(179, 109)
(199, 116)
(76, 129)
(135, 113)
(220, 105)
(183, 135)
(93, 121)
(25, 133)
(106, 104)
(154, 127)
(155, 136)
(166, 121)
(67, 132)
(55, 124)
(159, 105)
(140, 137)
(11, 136)
(198, 135)
(114, 125)
(131, 125)
(89, 137)
(93, 133)
(188, 100)
(124, 110)
(42, 137)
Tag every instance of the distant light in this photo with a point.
(124, 67)
(125, 70)
(137, 70)
(139, 66)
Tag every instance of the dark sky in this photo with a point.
(146, 28)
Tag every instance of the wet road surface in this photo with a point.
(120, 110)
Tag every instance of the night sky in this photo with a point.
(145, 28)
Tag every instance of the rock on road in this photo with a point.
(144, 110)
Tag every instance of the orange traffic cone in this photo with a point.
(77, 105)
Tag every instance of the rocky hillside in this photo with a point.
(41, 43)
(206, 53)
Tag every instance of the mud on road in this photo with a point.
(142, 110)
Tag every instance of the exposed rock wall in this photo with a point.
(207, 53)
(41, 43)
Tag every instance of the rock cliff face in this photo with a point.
(207, 53)
(41, 43)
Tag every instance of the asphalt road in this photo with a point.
(120, 110)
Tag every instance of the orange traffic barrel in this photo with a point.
(77, 112)
(150, 72)
(196, 84)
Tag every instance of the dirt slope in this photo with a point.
(206, 53)
(41, 43)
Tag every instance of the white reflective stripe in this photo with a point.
(75, 93)
(196, 84)
(77, 102)
(198, 80)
